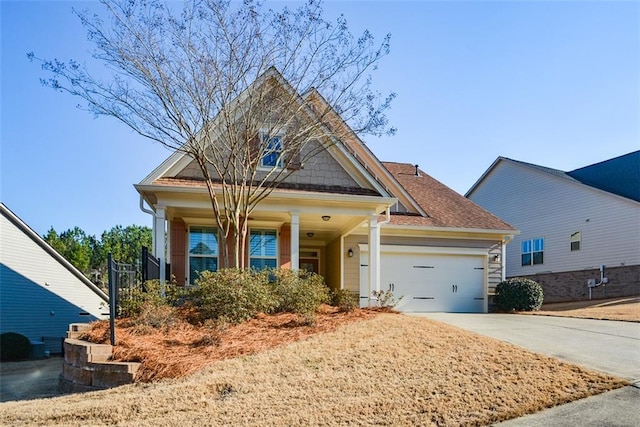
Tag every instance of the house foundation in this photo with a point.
(624, 281)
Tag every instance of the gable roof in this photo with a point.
(444, 207)
(619, 175)
(24, 228)
(166, 172)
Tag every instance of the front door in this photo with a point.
(309, 264)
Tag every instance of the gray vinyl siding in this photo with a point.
(39, 296)
(321, 169)
(553, 207)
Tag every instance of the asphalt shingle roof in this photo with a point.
(444, 207)
(620, 175)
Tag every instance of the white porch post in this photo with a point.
(374, 258)
(503, 261)
(158, 241)
(295, 241)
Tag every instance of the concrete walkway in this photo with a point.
(31, 379)
(607, 346)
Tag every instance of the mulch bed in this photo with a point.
(179, 348)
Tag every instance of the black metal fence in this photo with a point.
(150, 266)
(124, 283)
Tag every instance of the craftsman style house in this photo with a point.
(572, 224)
(363, 224)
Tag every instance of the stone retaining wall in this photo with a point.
(572, 285)
(87, 366)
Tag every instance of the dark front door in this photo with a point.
(309, 264)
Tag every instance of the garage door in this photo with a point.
(429, 282)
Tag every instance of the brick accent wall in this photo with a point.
(572, 285)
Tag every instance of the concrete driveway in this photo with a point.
(607, 346)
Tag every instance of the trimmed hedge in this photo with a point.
(14, 346)
(231, 295)
(519, 294)
(298, 292)
(344, 299)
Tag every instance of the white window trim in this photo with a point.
(277, 257)
(579, 241)
(532, 252)
(189, 255)
(265, 133)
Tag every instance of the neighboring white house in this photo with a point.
(41, 293)
(363, 224)
(571, 224)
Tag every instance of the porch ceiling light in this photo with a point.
(326, 217)
(310, 234)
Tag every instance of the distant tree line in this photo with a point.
(89, 253)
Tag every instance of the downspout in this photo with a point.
(153, 222)
(387, 219)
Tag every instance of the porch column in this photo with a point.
(158, 241)
(374, 258)
(295, 241)
(503, 261)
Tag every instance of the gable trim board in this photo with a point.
(313, 210)
(41, 292)
(553, 205)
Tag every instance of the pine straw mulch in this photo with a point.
(386, 370)
(623, 309)
(178, 348)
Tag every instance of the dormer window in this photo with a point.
(272, 156)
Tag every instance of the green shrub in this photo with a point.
(344, 299)
(298, 292)
(231, 295)
(14, 347)
(132, 301)
(155, 317)
(518, 294)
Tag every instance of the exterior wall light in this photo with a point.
(350, 253)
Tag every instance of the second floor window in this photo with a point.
(272, 157)
(576, 238)
(532, 251)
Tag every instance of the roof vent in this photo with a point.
(417, 172)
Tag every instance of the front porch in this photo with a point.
(296, 230)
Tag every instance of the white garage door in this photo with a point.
(429, 282)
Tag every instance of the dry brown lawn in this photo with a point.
(384, 369)
(626, 309)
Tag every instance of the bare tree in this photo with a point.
(235, 86)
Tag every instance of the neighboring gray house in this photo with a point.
(571, 224)
(41, 293)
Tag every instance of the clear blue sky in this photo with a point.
(556, 83)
